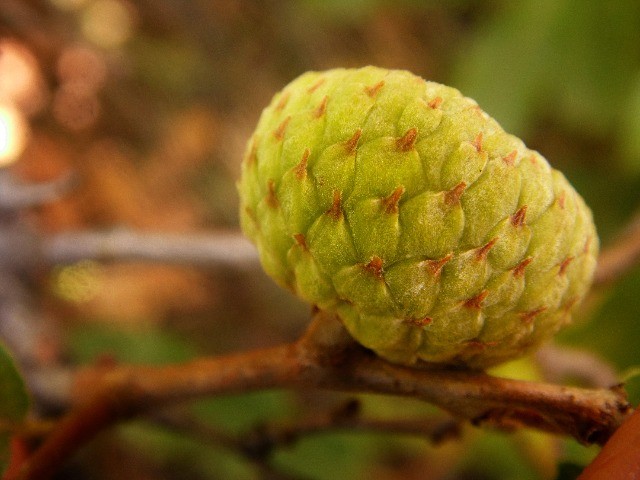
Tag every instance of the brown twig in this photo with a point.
(326, 358)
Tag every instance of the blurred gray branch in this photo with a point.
(216, 249)
(15, 195)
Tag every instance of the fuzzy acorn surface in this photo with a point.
(401, 206)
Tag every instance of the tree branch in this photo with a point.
(15, 196)
(224, 249)
(325, 358)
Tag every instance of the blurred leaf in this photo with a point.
(574, 453)
(331, 456)
(186, 456)
(631, 379)
(524, 368)
(14, 402)
(504, 63)
(540, 450)
(554, 58)
(630, 129)
(614, 330)
(569, 471)
(630, 373)
(145, 345)
(172, 67)
(238, 413)
(612, 201)
(495, 456)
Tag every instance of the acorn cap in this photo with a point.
(401, 206)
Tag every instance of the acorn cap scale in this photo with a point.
(402, 207)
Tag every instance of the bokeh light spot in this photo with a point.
(13, 134)
(75, 106)
(21, 82)
(108, 23)
(80, 64)
(79, 282)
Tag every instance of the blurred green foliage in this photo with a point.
(562, 74)
(149, 345)
(563, 60)
(14, 403)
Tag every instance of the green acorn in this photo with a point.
(402, 207)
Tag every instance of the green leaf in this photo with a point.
(14, 403)
(555, 59)
(145, 345)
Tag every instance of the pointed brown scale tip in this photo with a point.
(252, 215)
(316, 85)
(272, 198)
(390, 202)
(252, 158)
(321, 108)
(373, 90)
(562, 198)
(477, 142)
(570, 303)
(587, 244)
(301, 168)
(435, 266)
(300, 240)
(336, 207)
(564, 265)
(518, 270)
(284, 99)
(420, 322)
(352, 144)
(345, 300)
(517, 219)
(435, 103)
(375, 266)
(527, 317)
(511, 158)
(476, 302)
(279, 132)
(407, 141)
(477, 110)
(452, 197)
(482, 252)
